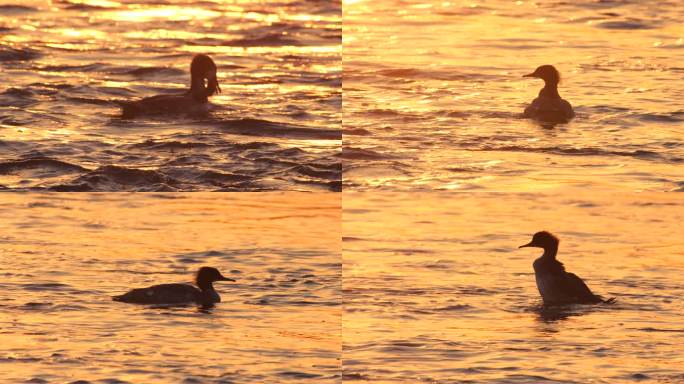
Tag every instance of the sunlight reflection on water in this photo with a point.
(67, 65)
(436, 289)
(434, 89)
(64, 256)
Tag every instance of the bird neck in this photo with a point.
(198, 89)
(550, 90)
(208, 295)
(205, 286)
(550, 252)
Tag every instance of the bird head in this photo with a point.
(203, 67)
(543, 239)
(548, 73)
(207, 275)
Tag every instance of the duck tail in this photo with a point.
(609, 301)
(121, 298)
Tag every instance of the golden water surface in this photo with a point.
(434, 93)
(437, 291)
(62, 257)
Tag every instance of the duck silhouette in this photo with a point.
(549, 106)
(203, 84)
(204, 293)
(555, 285)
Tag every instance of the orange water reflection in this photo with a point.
(433, 90)
(436, 289)
(64, 255)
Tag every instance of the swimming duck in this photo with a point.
(179, 293)
(193, 100)
(555, 285)
(549, 106)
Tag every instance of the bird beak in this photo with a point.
(530, 244)
(227, 279)
(530, 75)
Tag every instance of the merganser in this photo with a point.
(192, 101)
(549, 106)
(555, 285)
(179, 293)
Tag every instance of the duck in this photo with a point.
(203, 84)
(555, 284)
(549, 106)
(203, 294)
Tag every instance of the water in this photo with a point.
(66, 63)
(437, 291)
(433, 95)
(62, 257)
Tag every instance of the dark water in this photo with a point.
(276, 125)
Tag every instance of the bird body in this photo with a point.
(549, 109)
(165, 294)
(203, 84)
(204, 293)
(556, 285)
(162, 105)
(548, 106)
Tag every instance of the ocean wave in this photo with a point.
(46, 287)
(168, 145)
(14, 166)
(17, 92)
(357, 132)
(59, 86)
(223, 177)
(625, 24)
(100, 67)
(268, 40)
(88, 100)
(351, 153)
(296, 375)
(8, 8)
(673, 117)
(143, 72)
(258, 127)
(115, 178)
(157, 165)
(86, 7)
(17, 54)
(445, 74)
(91, 67)
(638, 154)
(331, 172)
